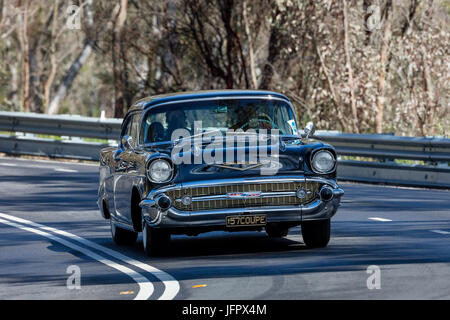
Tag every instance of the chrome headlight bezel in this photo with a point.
(151, 164)
(313, 162)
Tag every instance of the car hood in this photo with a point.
(200, 163)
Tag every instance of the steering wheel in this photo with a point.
(270, 122)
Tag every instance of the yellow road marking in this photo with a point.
(127, 292)
(199, 286)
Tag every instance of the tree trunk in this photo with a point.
(76, 65)
(334, 97)
(274, 51)
(250, 45)
(70, 76)
(2, 15)
(367, 15)
(382, 71)
(119, 22)
(53, 65)
(351, 82)
(24, 46)
(412, 12)
(430, 110)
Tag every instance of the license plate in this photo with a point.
(246, 220)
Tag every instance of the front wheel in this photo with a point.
(316, 234)
(155, 241)
(122, 236)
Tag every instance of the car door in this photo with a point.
(122, 187)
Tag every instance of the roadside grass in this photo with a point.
(57, 138)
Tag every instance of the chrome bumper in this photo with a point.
(172, 217)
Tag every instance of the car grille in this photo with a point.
(211, 204)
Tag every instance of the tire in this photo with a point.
(276, 231)
(155, 241)
(316, 234)
(122, 236)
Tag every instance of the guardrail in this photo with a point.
(73, 138)
(60, 125)
(386, 150)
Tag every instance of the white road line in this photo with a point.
(50, 161)
(8, 164)
(171, 284)
(48, 167)
(65, 170)
(145, 285)
(440, 231)
(379, 219)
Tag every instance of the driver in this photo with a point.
(156, 132)
(244, 116)
(176, 119)
(251, 117)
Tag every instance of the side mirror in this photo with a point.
(127, 142)
(309, 130)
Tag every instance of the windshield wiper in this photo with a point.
(196, 136)
(227, 134)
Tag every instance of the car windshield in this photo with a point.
(217, 115)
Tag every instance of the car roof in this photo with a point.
(147, 102)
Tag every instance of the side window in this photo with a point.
(135, 128)
(127, 128)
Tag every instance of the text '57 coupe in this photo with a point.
(229, 160)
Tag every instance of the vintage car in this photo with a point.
(230, 160)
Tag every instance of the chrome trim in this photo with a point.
(147, 203)
(313, 154)
(155, 221)
(226, 197)
(314, 205)
(316, 209)
(266, 97)
(237, 97)
(150, 205)
(226, 182)
(338, 192)
(175, 213)
(304, 210)
(173, 217)
(151, 160)
(153, 196)
(301, 193)
(186, 198)
(250, 167)
(329, 188)
(159, 196)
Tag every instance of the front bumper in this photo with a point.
(317, 209)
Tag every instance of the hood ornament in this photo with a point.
(238, 166)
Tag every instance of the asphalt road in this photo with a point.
(49, 222)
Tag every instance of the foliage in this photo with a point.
(352, 65)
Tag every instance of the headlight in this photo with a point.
(159, 171)
(323, 161)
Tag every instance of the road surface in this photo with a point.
(50, 229)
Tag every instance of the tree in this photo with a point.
(76, 65)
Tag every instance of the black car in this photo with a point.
(230, 160)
